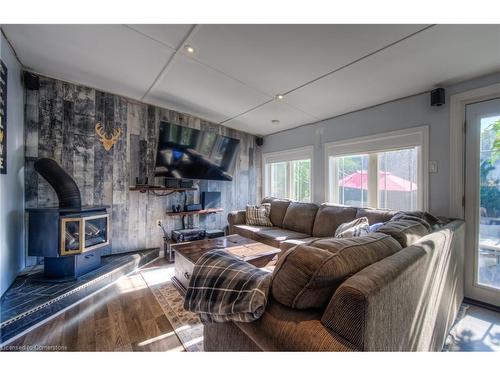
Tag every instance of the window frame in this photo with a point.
(287, 156)
(373, 144)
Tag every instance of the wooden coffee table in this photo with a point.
(187, 253)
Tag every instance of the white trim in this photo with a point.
(457, 142)
(417, 136)
(288, 155)
(379, 142)
(472, 288)
(301, 153)
(372, 180)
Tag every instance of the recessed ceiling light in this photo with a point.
(189, 49)
(275, 122)
(279, 96)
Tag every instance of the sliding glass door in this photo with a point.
(482, 202)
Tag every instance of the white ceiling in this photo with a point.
(323, 70)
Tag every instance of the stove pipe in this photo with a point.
(66, 189)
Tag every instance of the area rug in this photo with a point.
(187, 325)
(450, 345)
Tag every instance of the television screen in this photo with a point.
(190, 153)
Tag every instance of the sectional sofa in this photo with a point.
(396, 289)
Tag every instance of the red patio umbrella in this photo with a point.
(386, 181)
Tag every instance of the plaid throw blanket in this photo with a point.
(224, 288)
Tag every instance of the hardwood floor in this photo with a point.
(123, 317)
(127, 317)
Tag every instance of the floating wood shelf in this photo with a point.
(199, 212)
(162, 189)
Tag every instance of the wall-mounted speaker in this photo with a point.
(437, 97)
(259, 141)
(31, 81)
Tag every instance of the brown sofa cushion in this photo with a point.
(406, 232)
(282, 234)
(329, 217)
(306, 276)
(375, 215)
(300, 217)
(285, 329)
(250, 231)
(278, 211)
(288, 244)
(275, 236)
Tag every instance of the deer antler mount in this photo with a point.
(107, 143)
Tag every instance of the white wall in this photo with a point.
(12, 255)
(400, 114)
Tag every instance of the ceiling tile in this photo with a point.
(109, 57)
(278, 58)
(442, 55)
(206, 92)
(239, 67)
(259, 121)
(171, 35)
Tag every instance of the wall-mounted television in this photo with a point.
(195, 154)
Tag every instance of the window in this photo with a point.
(384, 171)
(352, 180)
(287, 174)
(397, 179)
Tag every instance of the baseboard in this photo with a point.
(482, 304)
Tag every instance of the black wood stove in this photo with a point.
(70, 237)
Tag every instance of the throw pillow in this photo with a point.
(356, 228)
(374, 227)
(258, 215)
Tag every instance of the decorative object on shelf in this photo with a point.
(185, 235)
(141, 181)
(210, 199)
(192, 207)
(176, 208)
(3, 118)
(186, 184)
(172, 183)
(214, 233)
(107, 143)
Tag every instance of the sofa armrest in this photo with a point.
(236, 218)
(406, 301)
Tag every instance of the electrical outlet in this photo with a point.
(158, 222)
(433, 167)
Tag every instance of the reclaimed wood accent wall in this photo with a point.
(60, 124)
